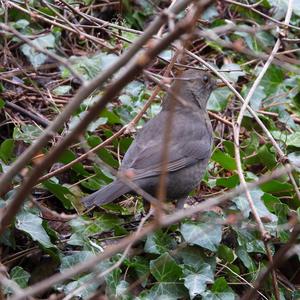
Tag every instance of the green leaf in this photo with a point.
(249, 240)
(229, 148)
(62, 193)
(226, 254)
(89, 67)
(70, 261)
(224, 159)
(159, 243)
(276, 186)
(105, 155)
(194, 257)
(113, 278)
(196, 282)
(85, 281)
(20, 276)
(218, 99)
(256, 99)
(266, 156)
(234, 73)
(122, 290)
(27, 133)
(229, 182)
(272, 79)
(270, 202)
(83, 228)
(165, 269)
(218, 296)
(280, 8)
(6, 150)
(75, 120)
(243, 205)
(32, 225)
(2, 102)
(203, 234)
(111, 117)
(141, 267)
(165, 291)
(293, 140)
(21, 24)
(294, 158)
(36, 59)
(67, 156)
(246, 260)
(134, 88)
(62, 90)
(219, 291)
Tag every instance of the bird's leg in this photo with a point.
(180, 203)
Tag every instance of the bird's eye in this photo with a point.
(205, 78)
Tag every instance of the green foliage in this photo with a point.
(32, 225)
(209, 256)
(46, 42)
(205, 235)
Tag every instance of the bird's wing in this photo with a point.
(187, 146)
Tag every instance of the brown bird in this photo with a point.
(189, 147)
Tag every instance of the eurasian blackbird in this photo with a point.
(189, 146)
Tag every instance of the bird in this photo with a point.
(189, 147)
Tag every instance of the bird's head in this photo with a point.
(195, 86)
(192, 87)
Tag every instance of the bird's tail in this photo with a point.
(106, 195)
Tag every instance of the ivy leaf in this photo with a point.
(280, 8)
(82, 293)
(165, 291)
(20, 276)
(224, 159)
(294, 158)
(248, 240)
(226, 254)
(36, 58)
(272, 79)
(67, 156)
(32, 225)
(159, 243)
(61, 192)
(27, 133)
(219, 291)
(246, 259)
(276, 186)
(218, 99)
(229, 182)
(70, 261)
(89, 67)
(6, 150)
(165, 269)
(196, 282)
(140, 266)
(62, 90)
(293, 140)
(243, 205)
(205, 235)
(234, 73)
(256, 99)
